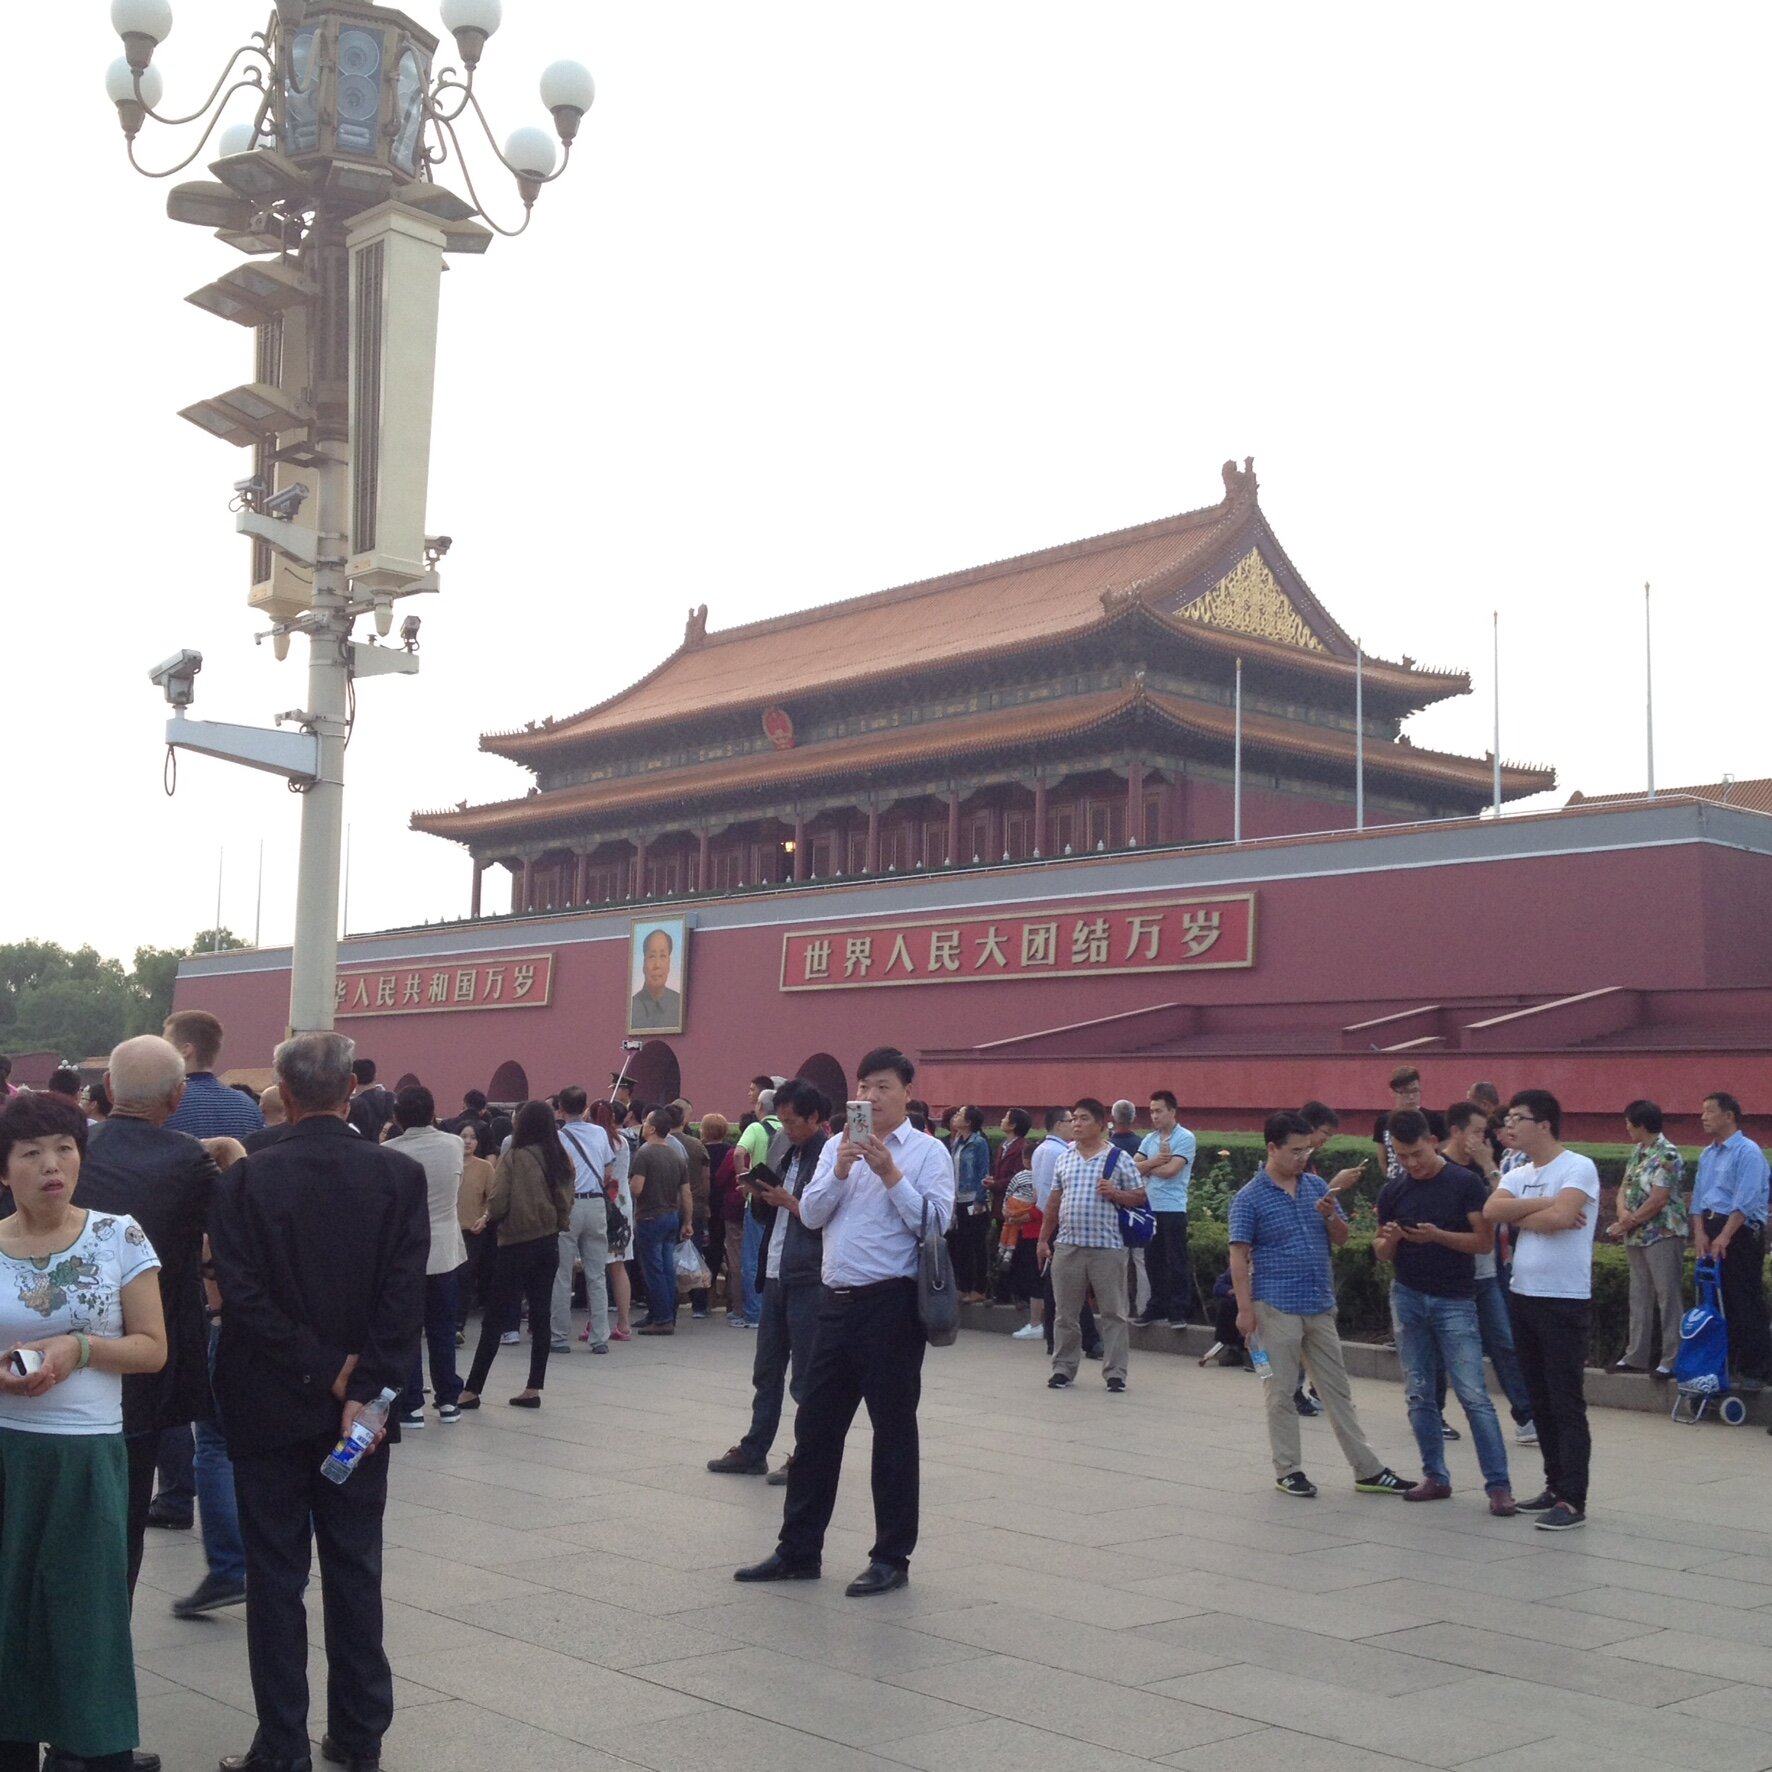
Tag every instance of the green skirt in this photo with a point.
(67, 1667)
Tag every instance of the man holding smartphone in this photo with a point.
(868, 1196)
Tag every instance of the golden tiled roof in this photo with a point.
(1030, 601)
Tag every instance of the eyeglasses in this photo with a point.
(1519, 1119)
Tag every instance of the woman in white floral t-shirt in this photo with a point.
(81, 1291)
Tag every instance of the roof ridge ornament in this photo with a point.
(1240, 483)
(695, 629)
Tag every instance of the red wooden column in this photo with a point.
(520, 887)
(799, 847)
(954, 829)
(474, 902)
(581, 891)
(701, 860)
(639, 868)
(1040, 812)
(872, 864)
(1135, 801)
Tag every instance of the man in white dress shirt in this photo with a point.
(867, 1197)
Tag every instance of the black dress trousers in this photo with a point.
(869, 1349)
(279, 1493)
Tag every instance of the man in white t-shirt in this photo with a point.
(1552, 1202)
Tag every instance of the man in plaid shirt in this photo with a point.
(1081, 1239)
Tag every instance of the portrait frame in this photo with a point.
(667, 1012)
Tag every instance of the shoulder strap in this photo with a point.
(566, 1132)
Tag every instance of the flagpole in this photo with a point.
(1359, 737)
(221, 856)
(1649, 688)
(1237, 765)
(344, 909)
(1497, 755)
(258, 915)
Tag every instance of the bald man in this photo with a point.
(163, 1180)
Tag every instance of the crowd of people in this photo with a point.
(213, 1304)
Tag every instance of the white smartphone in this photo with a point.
(24, 1361)
(859, 1121)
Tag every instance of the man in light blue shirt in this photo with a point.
(1729, 1226)
(1166, 1161)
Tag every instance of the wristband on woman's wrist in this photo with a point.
(85, 1359)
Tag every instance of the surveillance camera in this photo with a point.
(436, 546)
(177, 677)
(250, 488)
(287, 503)
(409, 633)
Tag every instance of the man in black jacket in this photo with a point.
(163, 1180)
(320, 1244)
(790, 1267)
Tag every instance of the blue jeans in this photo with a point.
(1443, 1331)
(1498, 1343)
(655, 1247)
(217, 1512)
(753, 1247)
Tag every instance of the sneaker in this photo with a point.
(448, 1412)
(734, 1319)
(1542, 1503)
(1177, 1322)
(510, 1338)
(560, 1347)
(415, 1419)
(1448, 1431)
(599, 1347)
(1059, 1381)
(737, 1462)
(1384, 1482)
(1307, 1404)
(1029, 1332)
(1212, 1353)
(1093, 1353)
(699, 1316)
(1526, 1434)
(1561, 1518)
(1428, 1490)
(210, 1595)
(1297, 1484)
(1116, 1384)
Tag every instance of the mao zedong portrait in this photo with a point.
(657, 1008)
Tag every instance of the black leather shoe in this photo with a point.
(253, 1761)
(878, 1578)
(775, 1567)
(330, 1750)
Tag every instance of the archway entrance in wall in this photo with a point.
(656, 1076)
(827, 1076)
(510, 1083)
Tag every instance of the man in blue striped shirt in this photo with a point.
(1729, 1225)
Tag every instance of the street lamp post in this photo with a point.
(327, 184)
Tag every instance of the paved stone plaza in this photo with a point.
(1103, 1583)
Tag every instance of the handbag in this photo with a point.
(938, 1303)
(1138, 1224)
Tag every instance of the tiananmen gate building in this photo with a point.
(1082, 821)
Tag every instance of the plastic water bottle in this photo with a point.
(343, 1458)
(1264, 1367)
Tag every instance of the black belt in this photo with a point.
(867, 1291)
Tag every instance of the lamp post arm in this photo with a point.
(253, 80)
(467, 178)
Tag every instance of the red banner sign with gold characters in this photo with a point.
(1167, 935)
(429, 987)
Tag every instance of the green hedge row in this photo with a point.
(1363, 1288)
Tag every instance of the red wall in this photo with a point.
(1329, 951)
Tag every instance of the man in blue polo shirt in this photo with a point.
(1729, 1224)
(1166, 1161)
(1282, 1227)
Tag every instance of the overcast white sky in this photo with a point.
(839, 296)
